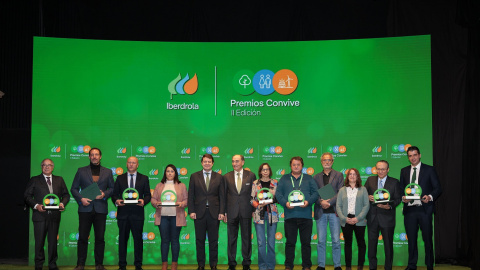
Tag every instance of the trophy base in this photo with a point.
(130, 201)
(382, 202)
(51, 207)
(265, 201)
(412, 197)
(297, 204)
(168, 204)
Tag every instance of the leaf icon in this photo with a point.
(171, 86)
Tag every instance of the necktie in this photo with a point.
(239, 182)
(131, 181)
(207, 180)
(380, 184)
(49, 183)
(414, 175)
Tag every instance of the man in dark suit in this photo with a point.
(206, 205)
(381, 217)
(92, 212)
(418, 213)
(238, 185)
(46, 221)
(130, 217)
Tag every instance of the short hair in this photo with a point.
(358, 183)
(261, 168)
(384, 161)
(326, 154)
(296, 158)
(175, 178)
(413, 148)
(208, 156)
(241, 157)
(47, 159)
(95, 148)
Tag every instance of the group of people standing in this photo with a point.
(233, 199)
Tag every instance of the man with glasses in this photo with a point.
(46, 222)
(381, 217)
(92, 212)
(324, 213)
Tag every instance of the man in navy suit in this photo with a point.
(381, 217)
(238, 185)
(92, 212)
(46, 222)
(206, 205)
(418, 213)
(130, 217)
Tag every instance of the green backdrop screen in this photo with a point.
(169, 102)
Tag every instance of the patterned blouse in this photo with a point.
(270, 208)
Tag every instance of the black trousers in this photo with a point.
(46, 229)
(245, 225)
(85, 222)
(374, 229)
(204, 225)
(125, 226)
(293, 226)
(360, 236)
(415, 218)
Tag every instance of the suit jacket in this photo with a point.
(362, 204)
(198, 194)
(83, 178)
(142, 185)
(336, 179)
(239, 203)
(182, 199)
(427, 180)
(37, 189)
(386, 218)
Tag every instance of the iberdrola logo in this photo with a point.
(181, 86)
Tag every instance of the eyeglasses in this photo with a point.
(47, 165)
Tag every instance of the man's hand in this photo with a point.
(305, 204)
(193, 216)
(140, 202)
(61, 207)
(101, 196)
(370, 198)
(288, 205)
(40, 208)
(86, 201)
(225, 218)
(425, 199)
(405, 200)
(221, 217)
(384, 206)
(119, 203)
(325, 203)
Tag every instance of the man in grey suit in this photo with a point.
(324, 213)
(46, 222)
(92, 212)
(239, 211)
(381, 217)
(206, 205)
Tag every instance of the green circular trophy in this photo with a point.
(51, 202)
(264, 196)
(413, 192)
(381, 196)
(296, 198)
(130, 196)
(168, 198)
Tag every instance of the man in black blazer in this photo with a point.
(92, 212)
(418, 213)
(206, 205)
(130, 217)
(381, 217)
(46, 221)
(238, 185)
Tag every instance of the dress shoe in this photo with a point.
(138, 268)
(306, 268)
(320, 268)
(53, 268)
(79, 267)
(408, 268)
(38, 267)
(337, 268)
(213, 267)
(287, 268)
(100, 267)
(201, 268)
(360, 267)
(122, 268)
(231, 267)
(348, 268)
(246, 267)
